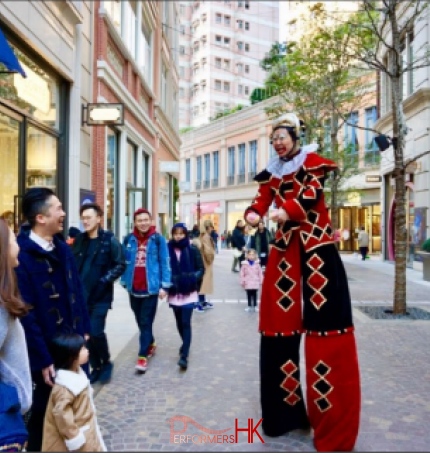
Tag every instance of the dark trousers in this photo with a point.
(363, 251)
(144, 309)
(183, 323)
(252, 297)
(98, 344)
(41, 394)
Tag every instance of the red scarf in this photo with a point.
(140, 283)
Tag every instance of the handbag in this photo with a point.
(237, 253)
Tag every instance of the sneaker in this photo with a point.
(199, 309)
(141, 364)
(106, 373)
(183, 363)
(95, 375)
(248, 309)
(151, 350)
(207, 305)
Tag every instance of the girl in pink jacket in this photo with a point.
(251, 278)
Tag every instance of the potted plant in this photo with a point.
(424, 253)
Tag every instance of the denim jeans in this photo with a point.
(144, 309)
(183, 323)
(98, 344)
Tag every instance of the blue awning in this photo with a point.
(8, 58)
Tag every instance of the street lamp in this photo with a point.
(198, 210)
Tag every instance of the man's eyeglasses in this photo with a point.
(279, 137)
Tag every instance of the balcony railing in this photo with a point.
(230, 180)
(198, 185)
(241, 178)
(214, 182)
(206, 184)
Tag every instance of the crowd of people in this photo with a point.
(55, 295)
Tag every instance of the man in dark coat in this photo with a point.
(260, 242)
(100, 260)
(49, 282)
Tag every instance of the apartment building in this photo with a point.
(135, 63)
(41, 139)
(416, 110)
(220, 160)
(221, 44)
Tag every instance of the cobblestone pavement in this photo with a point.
(222, 381)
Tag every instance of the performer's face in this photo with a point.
(282, 142)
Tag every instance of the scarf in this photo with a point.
(183, 275)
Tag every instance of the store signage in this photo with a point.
(169, 166)
(103, 114)
(373, 178)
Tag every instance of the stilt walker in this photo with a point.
(305, 291)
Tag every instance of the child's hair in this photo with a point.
(251, 251)
(65, 349)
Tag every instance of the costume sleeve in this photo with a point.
(62, 411)
(310, 193)
(262, 200)
(164, 257)
(38, 352)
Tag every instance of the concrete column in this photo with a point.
(123, 224)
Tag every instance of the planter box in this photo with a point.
(425, 256)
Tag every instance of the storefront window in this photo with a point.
(111, 154)
(37, 94)
(9, 147)
(41, 168)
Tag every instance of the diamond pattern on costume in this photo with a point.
(290, 384)
(285, 284)
(316, 281)
(322, 386)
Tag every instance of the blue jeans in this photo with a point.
(97, 344)
(183, 323)
(144, 309)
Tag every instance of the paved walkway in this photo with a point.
(222, 381)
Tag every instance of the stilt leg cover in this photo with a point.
(282, 403)
(333, 391)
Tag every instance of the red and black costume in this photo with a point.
(305, 290)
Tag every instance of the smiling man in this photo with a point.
(100, 262)
(49, 282)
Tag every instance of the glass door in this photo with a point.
(10, 137)
(134, 199)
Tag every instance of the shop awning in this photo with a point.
(8, 58)
(207, 207)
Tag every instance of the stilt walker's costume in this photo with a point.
(305, 290)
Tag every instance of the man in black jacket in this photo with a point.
(100, 260)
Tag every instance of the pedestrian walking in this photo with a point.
(15, 378)
(187, 273)
(363, 242)
(49, 283)
(100, 260)
(70, 421)
(214, 236)
(238, 244)
(251, 278)
(147, 277)
(305, 290)
(260, 242)
(205, 245)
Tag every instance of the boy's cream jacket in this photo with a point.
(70, 419)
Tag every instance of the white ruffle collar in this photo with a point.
(279, 168)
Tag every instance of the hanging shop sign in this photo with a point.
(103, 114)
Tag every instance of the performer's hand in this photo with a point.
(274, 215)
(48, 374)
(282, 215)
(252, 218)
(86, 336)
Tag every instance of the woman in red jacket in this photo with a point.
(305, 290)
